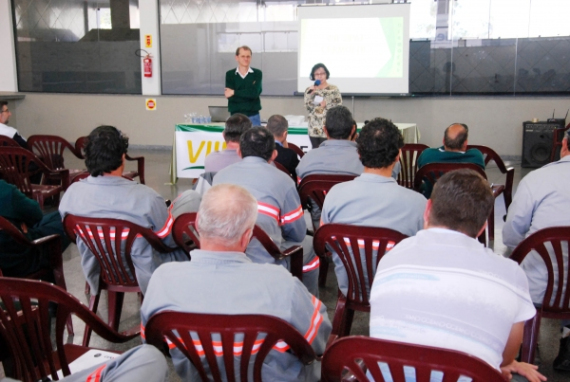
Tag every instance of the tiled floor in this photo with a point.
(157, 177)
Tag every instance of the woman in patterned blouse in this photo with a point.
(319, 99)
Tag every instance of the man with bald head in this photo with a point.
(221, 279)
(454, 149)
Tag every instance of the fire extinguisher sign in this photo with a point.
(148, 41)
(150, 104)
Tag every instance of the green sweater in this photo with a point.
(246, 92)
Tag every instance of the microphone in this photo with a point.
(317, 83)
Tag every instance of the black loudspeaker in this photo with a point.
(537, 143)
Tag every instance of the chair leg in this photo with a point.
(530, 338)
(339, 315)
(323, 271)
(115, 308)
(349, 315)
(93, 304)
(60, 281)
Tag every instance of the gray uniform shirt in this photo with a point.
(542, 200)
(229, 283)
(375, 201)
(115, 197)
(218, 160)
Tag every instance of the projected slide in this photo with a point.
(365, 47)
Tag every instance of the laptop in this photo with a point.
(219, 113)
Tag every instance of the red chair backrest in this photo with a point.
(358, 352)
(50, 148)
(80, 144)
(282, 168)
(226, 334)
(296, 148)
(490, 155)
(552, 245)
(431, 172)
(25, 327)
(15, 168)
(111, 241)
(7, 141)
(316, 187)
(14, 232)
(360, 249)
(409, 161)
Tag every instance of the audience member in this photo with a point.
(25, 214)
(279, 126)
(221, 279)
(280, 213)
(542, 200)
(235, 127)
(454, 149)
(443, 288)
(374, 198)
(9, 131)
(106, 194)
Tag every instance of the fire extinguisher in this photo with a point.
(147, 66)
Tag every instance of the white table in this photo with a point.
(193, 142)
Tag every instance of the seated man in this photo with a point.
(25, 214)
(280, 213)
(454, 149)
(221, 279)
(279, 126)
(106, 194)
(443, 288)
(235, 126)
(374, 198)
(542, 200)
(9, 131)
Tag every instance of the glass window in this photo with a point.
(68, 46)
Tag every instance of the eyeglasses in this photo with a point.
(5, 111)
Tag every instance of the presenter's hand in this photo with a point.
(324, 103)
(229, 92)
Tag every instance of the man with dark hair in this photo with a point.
(542, 200)
(280, 213)
(374, 198)
(443, 288)
(9, 131)
(221, 279)
(235, 126)
(106, 194)
(243, 87)
(279, 126)
(454, 149)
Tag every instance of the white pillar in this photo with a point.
(149, 19)
(8, 76)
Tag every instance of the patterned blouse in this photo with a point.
(317, 113)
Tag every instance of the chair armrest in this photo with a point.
(509, 187)
(140, 166)
(296, 254)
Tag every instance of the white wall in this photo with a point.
(8, 79)
(492, 121)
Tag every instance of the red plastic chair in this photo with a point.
(431, 172)
(297, 149)
(556, 142)
(490, 155)
(350, 359)
(315, 187)
(49, 244)
(7, 141)
(103, 237)
(360, 249)
(409, 162)
(25, 328)
(215, 332)
(187, 237)
(282, 168)
(50, 149)
(15, 167)
(549, 244)
(79, 149)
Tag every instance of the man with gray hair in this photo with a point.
(221, 279)
(279, 126)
